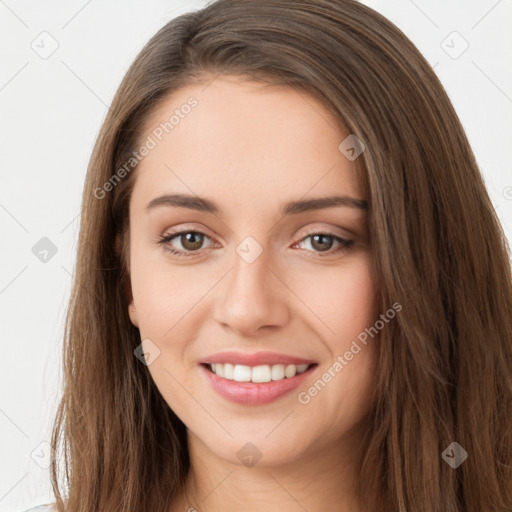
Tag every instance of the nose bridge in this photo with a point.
(253, 296)
(250, 269)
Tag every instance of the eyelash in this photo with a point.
(345, 244)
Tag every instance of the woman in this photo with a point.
(292, 291)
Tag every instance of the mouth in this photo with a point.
(257, 374)
(255, 385)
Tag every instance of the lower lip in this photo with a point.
(251, 393)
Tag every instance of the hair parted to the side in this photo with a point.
(445, 363)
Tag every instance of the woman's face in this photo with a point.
(249, 276)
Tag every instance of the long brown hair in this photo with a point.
(445, 364)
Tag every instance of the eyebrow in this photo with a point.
(293, 207)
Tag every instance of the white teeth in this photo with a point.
(277, 372)
(261, 373)
(228, 371)
(290, 370)
(241, 373)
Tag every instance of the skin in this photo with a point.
(250, 149)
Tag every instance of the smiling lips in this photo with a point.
(255, 379)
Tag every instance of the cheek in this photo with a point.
(342, 298)
(351, 303)
(350, 310)
(163, 294)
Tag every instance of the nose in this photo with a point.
(254, 297)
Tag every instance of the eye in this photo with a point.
(190, 241)
(323, 242)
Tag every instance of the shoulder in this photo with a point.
(41, 508)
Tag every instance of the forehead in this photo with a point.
(234, 138)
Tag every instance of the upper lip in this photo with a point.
(254, 359)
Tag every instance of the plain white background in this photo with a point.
(52, 107)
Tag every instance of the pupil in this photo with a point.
(193, 241)
(321, 247)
